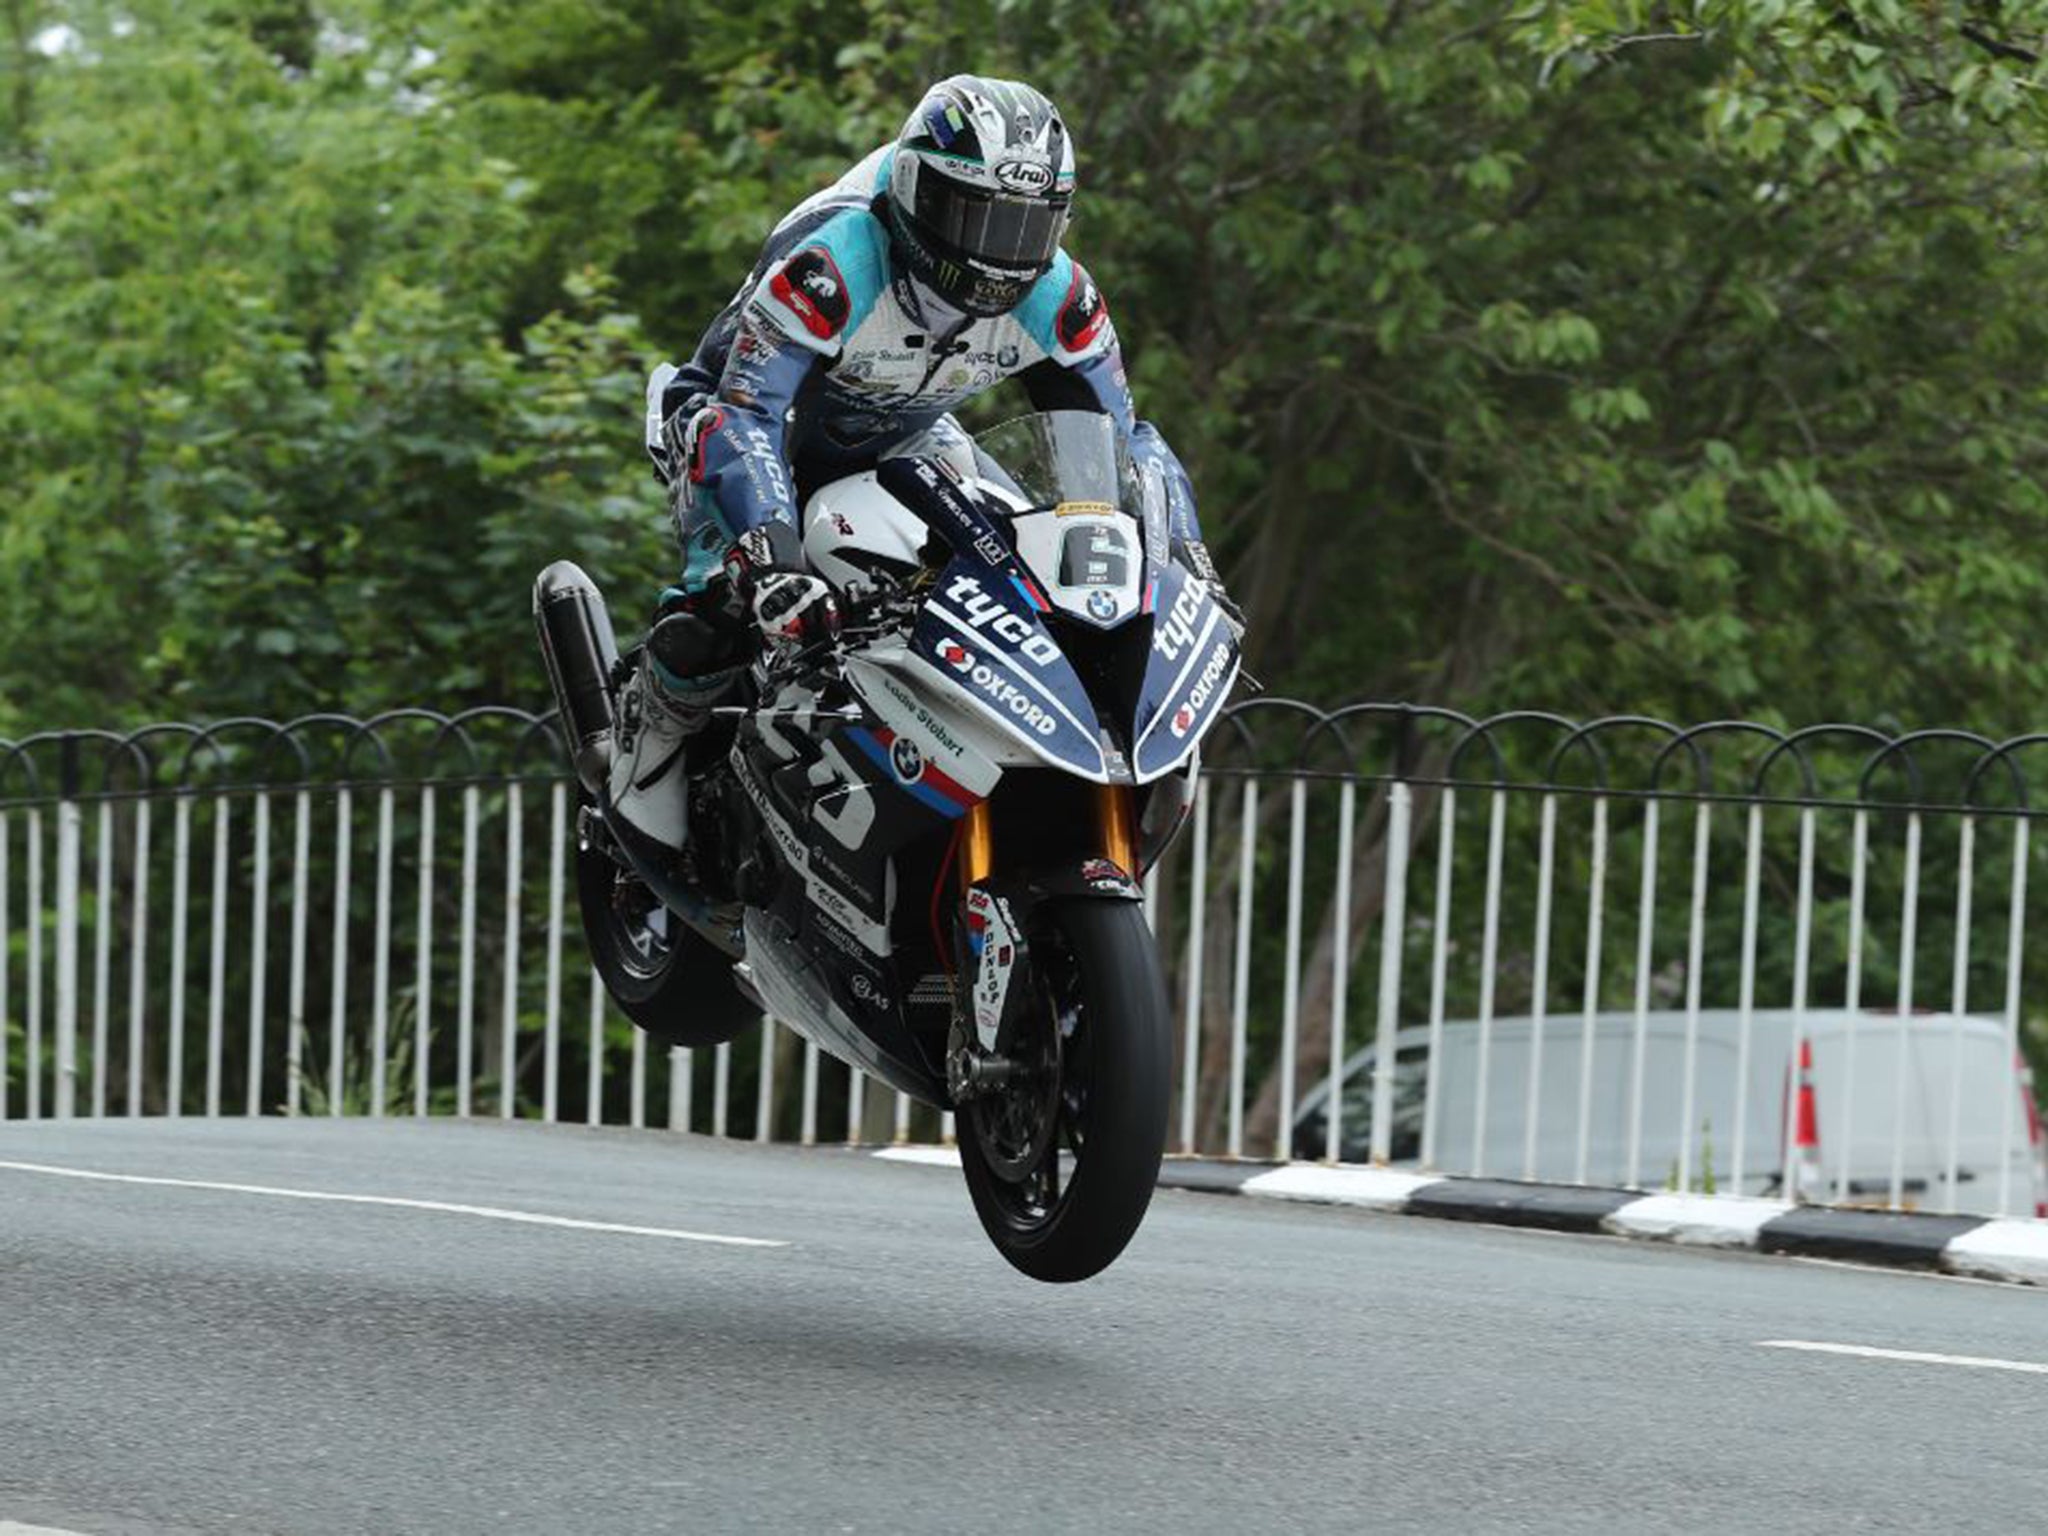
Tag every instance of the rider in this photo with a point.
(929, 272)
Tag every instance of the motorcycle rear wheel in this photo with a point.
(1062, 1161)
(664, 975)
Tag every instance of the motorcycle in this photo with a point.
(921, 848)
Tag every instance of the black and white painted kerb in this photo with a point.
(1986, 1247)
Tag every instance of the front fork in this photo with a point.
(974, 1061)
(1115, 827)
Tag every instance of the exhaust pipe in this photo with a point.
(577, 644)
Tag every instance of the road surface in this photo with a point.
(180, 1356)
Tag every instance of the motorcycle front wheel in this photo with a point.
(1062, 1160)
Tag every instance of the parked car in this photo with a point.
(1855, 1077)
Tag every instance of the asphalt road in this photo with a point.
(183, 1359)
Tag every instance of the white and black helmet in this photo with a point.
(979, 194)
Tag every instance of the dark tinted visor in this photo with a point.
(995, 228)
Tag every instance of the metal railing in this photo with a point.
(1615, 951)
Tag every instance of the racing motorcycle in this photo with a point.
(922, 847)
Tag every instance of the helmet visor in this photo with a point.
(997, 229)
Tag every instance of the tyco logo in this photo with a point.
(984, 612)
(1177, 630)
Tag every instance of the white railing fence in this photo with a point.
(1616, 952)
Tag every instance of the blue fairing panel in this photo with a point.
(982, 634)
(1189, 673)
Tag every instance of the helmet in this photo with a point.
(978, 194)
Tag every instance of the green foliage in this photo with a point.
(1595, 354)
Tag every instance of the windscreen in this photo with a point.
(1070, 459)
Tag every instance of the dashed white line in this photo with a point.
(1913, 1356)
(487, 1212)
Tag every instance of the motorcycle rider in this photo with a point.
(931, 271)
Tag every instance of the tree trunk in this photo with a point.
(1470, 662)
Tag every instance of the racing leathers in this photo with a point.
(829, 358)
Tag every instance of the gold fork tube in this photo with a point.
(977, 846)
(1119, 841)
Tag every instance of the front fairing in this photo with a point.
(1120, 694)
(984, 636)
(1190, 668)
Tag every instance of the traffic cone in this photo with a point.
(1802, 1168)
(2034, 1137)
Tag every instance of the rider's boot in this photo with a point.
(685, 669)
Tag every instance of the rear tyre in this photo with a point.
(1062, 1161)
(664, 975)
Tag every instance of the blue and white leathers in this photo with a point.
(829, 359)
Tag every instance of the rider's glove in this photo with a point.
(793, 611)
(681, 432)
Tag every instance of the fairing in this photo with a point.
(1189, 671)
(1062, 539)
(984, 639)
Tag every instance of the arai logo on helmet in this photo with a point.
(1024, 176)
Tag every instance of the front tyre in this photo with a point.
(1062, 1160)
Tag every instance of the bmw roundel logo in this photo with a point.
(906, 759)
(1101, 605)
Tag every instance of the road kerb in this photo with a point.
(1710, 1221)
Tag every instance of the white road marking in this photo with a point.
(1865, 1351)
(489, 1213)
(937, 1157)
(1891, 1271)
(11, 1528)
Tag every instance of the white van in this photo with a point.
(1858, 1070)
